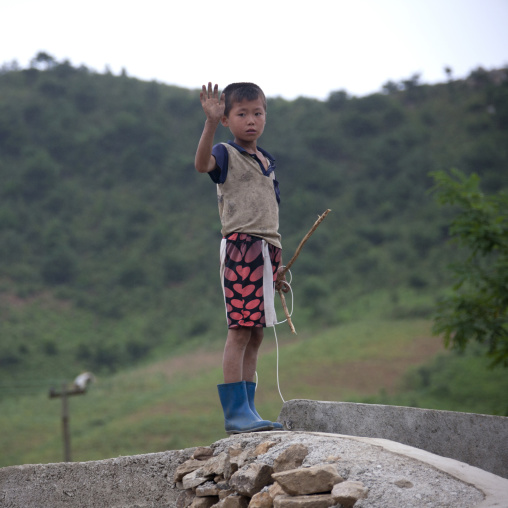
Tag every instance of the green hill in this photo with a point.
(109, 250)
(109, 237)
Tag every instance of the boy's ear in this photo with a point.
(224, 121)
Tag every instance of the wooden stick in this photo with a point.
(286, 311)
(283, 272)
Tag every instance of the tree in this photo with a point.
(390, 87)
(477, 309)
(44, 59)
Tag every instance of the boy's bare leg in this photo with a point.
(234, 353)
(241, 354)
(250, 358)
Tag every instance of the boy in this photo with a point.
(248, 196)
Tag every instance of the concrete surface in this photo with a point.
(147, 480)
(139, 481)
(478, 440)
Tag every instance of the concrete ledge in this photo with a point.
(140, 481)
(478, 440)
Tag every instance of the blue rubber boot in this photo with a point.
(238, 416)
(251, 392)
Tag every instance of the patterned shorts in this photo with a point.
(248, 271)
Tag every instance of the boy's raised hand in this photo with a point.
(213, 105)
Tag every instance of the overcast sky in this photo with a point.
(290, 48)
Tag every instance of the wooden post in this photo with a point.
(66, 435)
(65, 425)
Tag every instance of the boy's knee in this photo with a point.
(239, 335)
(256, 337)
(245, 335)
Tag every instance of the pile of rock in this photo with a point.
(237, 477)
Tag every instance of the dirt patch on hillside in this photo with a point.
(45, 299)
(368, 377)
(191, 363)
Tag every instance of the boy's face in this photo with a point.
(246, 120)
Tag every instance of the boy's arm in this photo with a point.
(213, 106)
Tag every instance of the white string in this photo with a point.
(278, 384)
(275, 332)
(292, 299)
(276, 339)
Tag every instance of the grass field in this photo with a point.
(173, 403)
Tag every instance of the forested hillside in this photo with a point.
(109, 237)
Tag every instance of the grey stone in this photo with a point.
(238, 457)
(207, 489)
(315, 501)
(276, 490)
(347, 493)
(215, 466)
(226, 493)
(263, 447)
(251, 479)
(185, 468)
(194, 479)
(202, 453)
(261, 500)
(185, 499)
(290, 458)
(233, 501)
(311, 480)
(204, 502)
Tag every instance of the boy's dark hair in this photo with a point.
(237, 92)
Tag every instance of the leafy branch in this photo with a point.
(478, 307)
